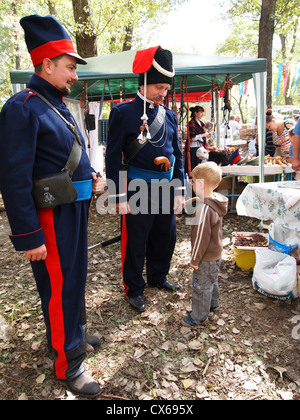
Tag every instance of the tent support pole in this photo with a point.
(217, 111)
(110, 92)
(102, 99)
(260, 84)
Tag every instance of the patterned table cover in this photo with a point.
(270, 201)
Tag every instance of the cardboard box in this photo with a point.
(226, 184)
(225, 188)
(247, 134)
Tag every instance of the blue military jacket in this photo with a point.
(124, 127)
(34, 141)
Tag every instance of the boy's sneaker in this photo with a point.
(189, 321)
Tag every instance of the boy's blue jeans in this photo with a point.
(205, 289)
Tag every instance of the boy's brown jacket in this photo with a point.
(206, 234)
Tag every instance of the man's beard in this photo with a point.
(66, 91)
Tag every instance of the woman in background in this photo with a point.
(281, 133)
(198, 133)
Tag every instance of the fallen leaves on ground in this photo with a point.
(245, 351)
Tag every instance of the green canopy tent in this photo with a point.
(104, 77)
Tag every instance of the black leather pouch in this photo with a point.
(53, 190)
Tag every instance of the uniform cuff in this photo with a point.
(27, 241)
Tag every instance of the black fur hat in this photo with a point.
(161, 70)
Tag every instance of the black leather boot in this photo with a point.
(137, 303)
(93, 341)
(84, 386)
(166, 285)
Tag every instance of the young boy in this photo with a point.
(206, 238)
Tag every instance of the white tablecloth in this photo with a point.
(272, 201)
(235, 143)
(251, 170)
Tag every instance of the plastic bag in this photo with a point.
(202, 153)
(275, 275)
(283, 248)
(283, 239)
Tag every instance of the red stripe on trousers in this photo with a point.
(55, 305)
(123, 248)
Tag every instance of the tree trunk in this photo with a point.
(16, 35)
(286, 56)
(128, 37)
(52, 7)
(127, 44)
(265, 42)
(86, 38)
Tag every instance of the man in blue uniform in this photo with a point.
(34, 142)
(145, 133)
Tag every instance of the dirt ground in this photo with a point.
(248, 350)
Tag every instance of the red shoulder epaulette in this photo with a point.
(29, 94)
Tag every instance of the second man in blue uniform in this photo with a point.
(143, 134)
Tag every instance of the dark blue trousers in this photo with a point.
(149, 238)
(61, 281)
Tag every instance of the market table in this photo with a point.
(233, 143)
(253, 170)
(272, 201)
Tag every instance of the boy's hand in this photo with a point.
(178, 204)
(194, 267)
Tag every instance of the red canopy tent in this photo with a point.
(196, 97)
(193, 97)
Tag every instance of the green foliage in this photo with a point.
(108, 18)
(244, 16)
(242, 42)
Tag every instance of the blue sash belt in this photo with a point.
(84, 189)
(148, 176)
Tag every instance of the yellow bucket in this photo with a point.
(244, 258)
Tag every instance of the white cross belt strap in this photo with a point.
(135, 146)
(158, 121)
